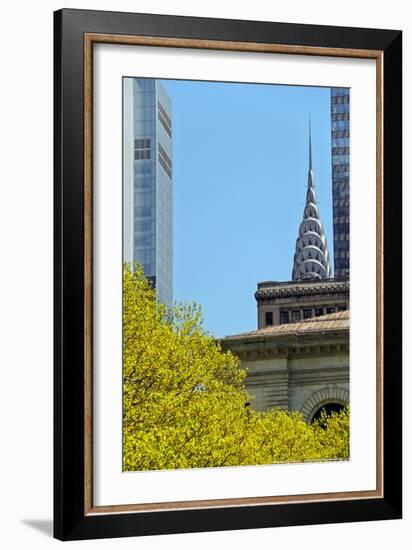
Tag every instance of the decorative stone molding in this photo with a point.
(287, 352)
(329, 394)
(296, 290)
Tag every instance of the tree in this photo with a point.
(332, 433)
(184, 400)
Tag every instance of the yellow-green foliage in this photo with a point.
(184, 401)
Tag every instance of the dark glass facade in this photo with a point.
(340, 135)
(148, 182)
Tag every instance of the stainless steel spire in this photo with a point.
(311, 260)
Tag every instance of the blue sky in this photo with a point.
(240, 162)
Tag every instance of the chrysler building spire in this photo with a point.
(311, 260)
(310, 146)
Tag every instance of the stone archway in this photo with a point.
(329, 394)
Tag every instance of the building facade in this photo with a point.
(148, 182)
(293, 301)
(340, 135)
(301, 366)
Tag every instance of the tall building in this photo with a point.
(340, 133)
(148, 182)
(298, 358)
(311, 292)
(311, 259)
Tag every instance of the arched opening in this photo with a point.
(329, 408)
(331, 397)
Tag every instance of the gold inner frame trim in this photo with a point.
(89, 40)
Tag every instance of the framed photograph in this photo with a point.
(227, 274)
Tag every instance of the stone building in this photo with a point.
(293, 301)
(298, 358)
(301, 366)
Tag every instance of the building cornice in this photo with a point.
(272, 290)
(253, 346)
(287, 352)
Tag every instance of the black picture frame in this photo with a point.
(71, 522)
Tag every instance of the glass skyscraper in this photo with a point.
(340, 133)
(148, 182)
